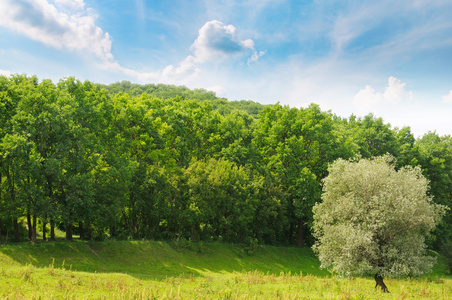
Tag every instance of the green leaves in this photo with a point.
(165, 162)
(221, 196)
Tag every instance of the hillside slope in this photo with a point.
(159, 260)
(162, 270)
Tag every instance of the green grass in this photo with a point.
(159, 260)
(161, 270)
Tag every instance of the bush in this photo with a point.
(446, 251)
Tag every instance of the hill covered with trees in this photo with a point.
(164, 162)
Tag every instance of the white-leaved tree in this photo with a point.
(373, 220)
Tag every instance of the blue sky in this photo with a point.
(391, 58)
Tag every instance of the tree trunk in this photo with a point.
(151, 229)
(52, 230)
(16, 231)
(12, 193)
(69, 232)
(380, 283)
(44, 225)
(133, 216)
(194, 232)
(90, 231)
(29, 226)
(300, 233)
(81, 230)
(33, 229)
(290, 237)
(113, 231)
(52, 223)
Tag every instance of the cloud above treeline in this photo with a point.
(395, 93)
(215, 43)
(218, 41)
(69, 24)
(5, 73)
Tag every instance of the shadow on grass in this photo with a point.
(160, 260)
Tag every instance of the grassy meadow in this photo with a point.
(171, 270)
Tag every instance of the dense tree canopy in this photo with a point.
(373, 219)
(132, 161)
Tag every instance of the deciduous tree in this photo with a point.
(373, 219)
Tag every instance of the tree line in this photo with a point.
(161, 162)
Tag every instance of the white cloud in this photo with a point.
(215, 42)
(218, 41)
(448, 98)
(41, 21)
(69, 24)
(255, 57)
(73, 4)
(395, 91)
(219, 90)
(114, 66)
(5, 73)
(186, 70)
(370, 100)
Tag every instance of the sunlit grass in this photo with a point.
(158, 270)
(51, 283)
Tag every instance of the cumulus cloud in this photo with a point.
(217, 41)
(40, 20)
(69, 24)
(395, 92)
(5, 73)
(187, 68)
(448, 98)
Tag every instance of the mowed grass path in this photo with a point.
(161, 270)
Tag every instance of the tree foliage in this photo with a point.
(131, 161)
(373, 219)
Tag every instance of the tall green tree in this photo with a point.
(295, 146)
(436, 161)
(139, 140)
(221, 199)
(34, 125)
(236, 132)
(13, 91)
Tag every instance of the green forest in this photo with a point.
(160, 162)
